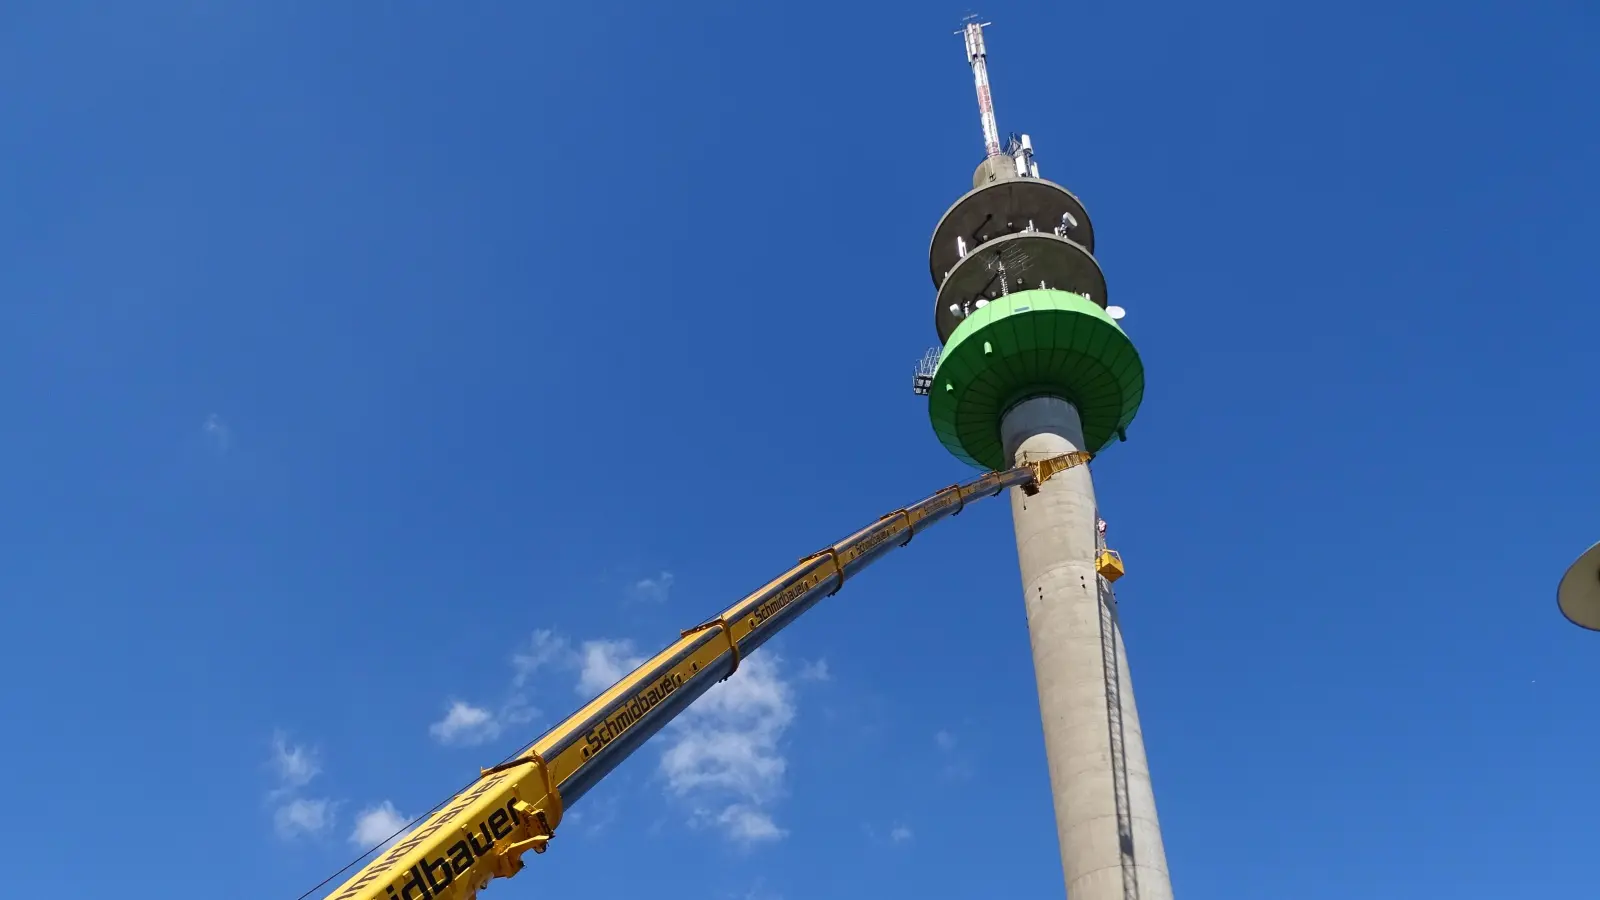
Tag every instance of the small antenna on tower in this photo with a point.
(978, 57)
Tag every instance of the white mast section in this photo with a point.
(978, 56)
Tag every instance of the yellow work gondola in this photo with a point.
(1109, 565)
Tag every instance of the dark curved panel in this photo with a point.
(1028, 259)
(1001, 209)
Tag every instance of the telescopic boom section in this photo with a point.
(978, 56)
(483, 832)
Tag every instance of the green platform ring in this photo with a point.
(1029, 344)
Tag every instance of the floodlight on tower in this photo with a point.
(1578, 594)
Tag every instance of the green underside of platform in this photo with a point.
(1032, 344)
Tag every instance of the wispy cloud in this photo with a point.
(724, 750)
(748, 824)
(723, 756)
(294, 764)
(296, 812)
(543, 650)
(303, 815)
(465, 725)
(598, 812)
(603, 663)
(898, 833)
(217, 432)
(294, 767)
(655, 589)
(378, 824)
(757, 891)
(598, 664)
(953, 765)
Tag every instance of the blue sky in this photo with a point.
(382, 375)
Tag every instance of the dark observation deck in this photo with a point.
(1002, 207)
(1016, 262)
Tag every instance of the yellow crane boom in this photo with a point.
(483, 832)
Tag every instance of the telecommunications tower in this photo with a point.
(1034, 364)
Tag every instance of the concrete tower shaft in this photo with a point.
(1111, 846)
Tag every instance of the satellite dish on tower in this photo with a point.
(1579, 592)
(1116, 312)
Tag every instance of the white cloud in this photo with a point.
(724, 750)
(303, 816)
(654, 589)
(544, 649)
(217, 432)
(898, 833)
(814, 671)
(598, 664)
(295, 765)
(517, 711)
(378, 824)
(600, 809)
(760, 891)
(468, 724)
(465, 725)
(955, 765)
(723, 754)
(603, 664)
(747, 824)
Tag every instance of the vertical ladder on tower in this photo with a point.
(1119, 756)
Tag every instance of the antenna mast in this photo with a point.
(978, 56)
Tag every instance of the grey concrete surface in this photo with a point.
(997, 209)
(1102, 851)
(995, 169)
(1030, 259)
(1578, 595)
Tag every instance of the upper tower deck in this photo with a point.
(1013, 231)
(1021, 307)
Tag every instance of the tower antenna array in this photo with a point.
(978, 56)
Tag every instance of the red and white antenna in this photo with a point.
(980, 75)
